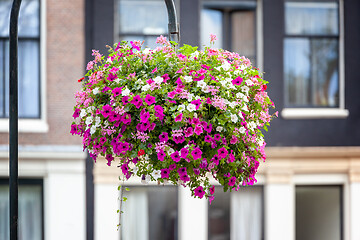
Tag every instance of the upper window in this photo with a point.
(234, 24)
(311, 53)
(142, 20)
(28, 58)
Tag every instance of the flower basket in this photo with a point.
(181, 116)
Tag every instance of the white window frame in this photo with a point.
(320, 113)
(36, 125)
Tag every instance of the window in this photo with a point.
(234, 24)
(319, 212)
(311, 54)
(154, 210)
(30, 209)
(237, 215)
(142, 20)
(28, 57)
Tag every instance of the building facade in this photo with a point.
(309, 186)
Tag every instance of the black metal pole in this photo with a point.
(174, 29)
(13, 119)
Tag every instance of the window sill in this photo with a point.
(313, 113)
(26, 126)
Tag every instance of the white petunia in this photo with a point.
(135, 169)
(233, 104)
(188, 79)
(95, 90)
(117, 80)
(195, 115)
(146, 50)
(97, 121)
(92, 129)
(242, 130)
(181, 107)
(191, 107)
(234, 118)
(125, 92)
(245, 108)
(82, 113)
(194, 55)
(156, 174)
(219, 129)
(109, 60)
(201, 84)
(249, 82)
(245, 89)
(145, 87)
(88, 120)
(252, 125)
(158, 80)
(170, 151)
(190, 97)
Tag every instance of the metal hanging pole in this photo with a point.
(174, 29)
(13, 119)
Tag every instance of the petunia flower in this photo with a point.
(196, 153)
(137, 101)
(161, 155)
(164, 137)
(178, 118)
(149, 99)
(165, 173)
(199, 192)
(237, 81)
(232, 181)
(106, 110)
(222, 152)
(175, 156)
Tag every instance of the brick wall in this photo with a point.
(65, 64)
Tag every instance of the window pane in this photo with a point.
(297, 64)
(2, 93)
(312, 18)
(243, 33)
(28, 18)
(325, 72)
(142, 17)
(152, 209)
(247, 214)
(211, 23)
(219, 216)
(318, 212)
(29, 79)
(30, 212)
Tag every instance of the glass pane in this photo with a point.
(29, 79)
(312, 18)
(152, 209)
(211, 23)
(247, 214)
(243, 33)
(219, 215)
(325, 72)
(2, 94)
(318, 212)
(142, 17)
(297, 59)
(30, 212)
(29, 22)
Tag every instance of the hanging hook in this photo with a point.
(173, 27)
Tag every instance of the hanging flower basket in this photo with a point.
(181, 116)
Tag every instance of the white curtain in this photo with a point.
(246, 214)
(135, 219)
(30, 213)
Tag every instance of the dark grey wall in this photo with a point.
(314, 132)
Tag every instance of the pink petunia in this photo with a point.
(196, 153)
(164, 137)
(149, 99)
(165, 173)
(232, 181)
(111, 77)
(237, 81)
(197, 103)
(199, 192)
(198, 130)
(161, 155)
(116, 91)
(189, 132)
(222, 152)
(175, 156)
(184, 152)
(106, 110)
(178, 118)
(137, 101)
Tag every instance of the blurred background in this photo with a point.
(309, 186)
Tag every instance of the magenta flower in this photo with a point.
(179, 82)
(212, 189)
(233, 139)
(175, 156)
(149, 99)
(178, 118)
(137, 101)
(215, 159)
(116, 91)
(217, 137)
(111, 77)
(172, 166)
(125, 169)
(144, 116)
(189, 132)
(134, 45)
(171, 94)
(231, 157)
(184, 178)
(74, 129)
(114, 117)
(196, 171)
(161, 155)
(164, 137)
(197, 103)
(196, 153)
(208, 139)
(124, 147)
(159, 109)
(179, 139)
(152, 126)
(237, 81)
(126, 118)
(125, 100)
(198, 129)
(76, 113)
(182, 171)
(155, 70)
(199, 192)
(208, 128)
(106, 110)
(222, 152)
(165, 77)
(165, 173)
(232, 181)
(184, 152)
(109, 158)
(195, 121)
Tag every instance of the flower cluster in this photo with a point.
(180, 116)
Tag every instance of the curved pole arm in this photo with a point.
(174, 29)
